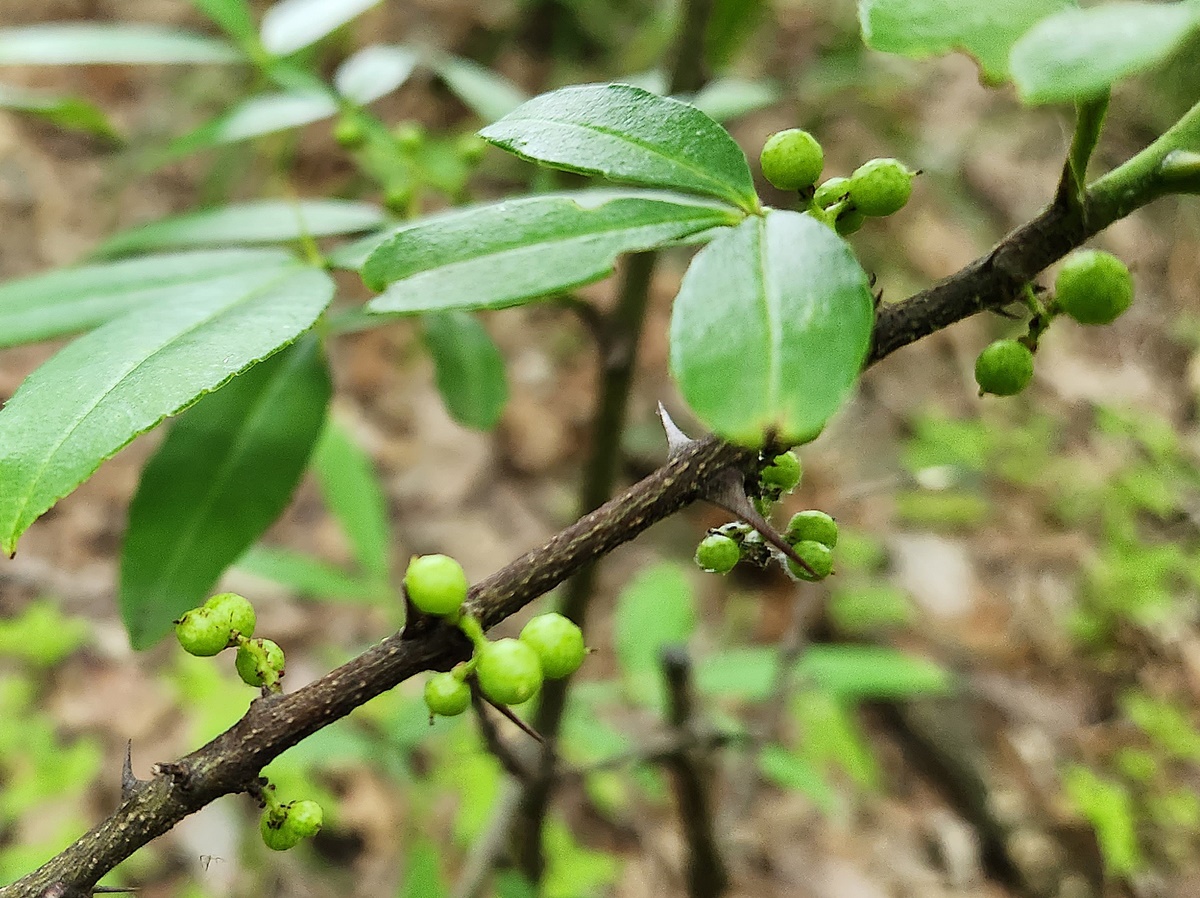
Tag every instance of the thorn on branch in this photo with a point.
(130, 784)
(496, 744)
(677, 440)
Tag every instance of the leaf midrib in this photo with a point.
(75, 425)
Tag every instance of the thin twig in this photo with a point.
(707, 876)
(492, 739)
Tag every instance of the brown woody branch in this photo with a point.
(231, 762)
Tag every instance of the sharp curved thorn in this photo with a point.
(727, 492)
(1004, 313)
(677, 440)
(129, 783)
(520, 724)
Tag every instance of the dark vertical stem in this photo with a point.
(623, 333)
(707, 876)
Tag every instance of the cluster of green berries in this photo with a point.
(226, 621)
(793, 160)
(283, 825)
(1093, 287)
(811, 534)
(508, 671)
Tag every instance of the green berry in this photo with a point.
(446, 695)
(305, 817)
(276, 834)
(783, 473)
(349, 133)
(881, 186)
(831, 192)
(1094, 287)
(202, 634)
(817, 556)
(792, 159)
(260, 662)
(558, 643)
(509, 672)
(436, 584)
(236, 610)
(282, 827)
(1004, 368)
(812, 525)
(398, 199)
(848, 222)
(718, 554)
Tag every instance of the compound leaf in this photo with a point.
(224, 473)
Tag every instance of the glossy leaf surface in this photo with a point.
(771, 328)
(628, 134)
(120, 380)
(514, 251)
(68, 300)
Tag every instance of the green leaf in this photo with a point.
(469, 368)
(351, 491)
(486, 93)
(225, 472)
(655, 609)
(87, 43)
(985, 29)
(312, 577)
(511, 252)
(747, 673)
(233, 16)
(731, 25)
(261, 221)
(254, 117)
(68, 300)
(793, 771)
(66, 112)
(291, 25)
(374, 72)
(729, 98)
(122, 379)
(628, 134)
(1079, 53)
(771, 328)
(871, 673)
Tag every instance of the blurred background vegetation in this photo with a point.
(1000, 694)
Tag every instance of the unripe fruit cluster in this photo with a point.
(508, 671)
(283, 825)
(812, 535)
(876, 188)
(228, 620)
